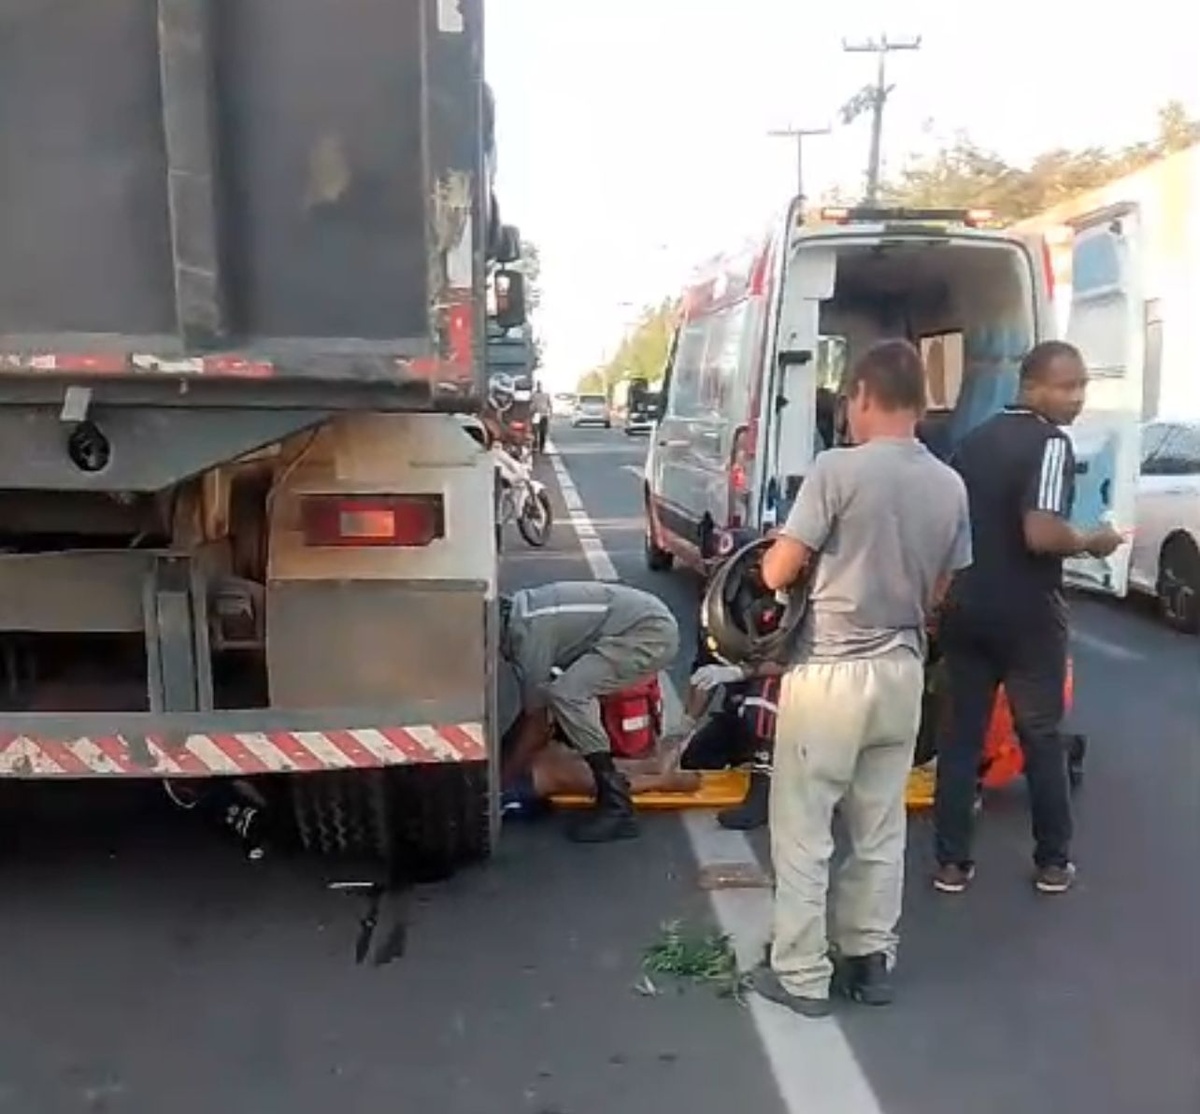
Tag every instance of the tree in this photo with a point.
(591, 383)
(643, 350)
(531, 266)
(964, 175)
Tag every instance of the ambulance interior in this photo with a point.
(968, 305)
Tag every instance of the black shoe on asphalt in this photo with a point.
(865, 978)
(752, 813)
(765, 983)
(953, 878)
(611, 817)
(1054, 879)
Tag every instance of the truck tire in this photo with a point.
(420, 823)
(343, 813)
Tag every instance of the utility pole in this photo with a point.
(799, 135)
(874, 97)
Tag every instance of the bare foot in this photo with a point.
(670, 751)
(679, 781)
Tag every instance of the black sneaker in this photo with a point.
(953, 878)
(765, 983)
(866, 979)
(1054, 879)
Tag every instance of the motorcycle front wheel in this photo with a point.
(536, 519)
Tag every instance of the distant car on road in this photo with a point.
(591, 410)
(563, 404)
(642, 414)
(1165, 562)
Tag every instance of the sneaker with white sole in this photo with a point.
(1054, 879)
(953, 878)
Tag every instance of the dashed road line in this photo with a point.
(811, 1061)
(589, 540)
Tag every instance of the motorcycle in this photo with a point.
(520, 497)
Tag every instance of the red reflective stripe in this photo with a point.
(239, 754)
(357, 754)
(405, 743)
(187, 762)
(298, 754)
(116, 752)
(239, 367)
(61, 755)
(462, 742)
(91, 363)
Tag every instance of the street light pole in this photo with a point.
(881, 48)
(799, 135)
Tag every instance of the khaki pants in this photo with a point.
(845, 737)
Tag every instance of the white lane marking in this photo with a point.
(1101, 645)
(589, 541)
(812, 1063)
(638, 471)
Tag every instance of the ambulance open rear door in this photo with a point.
(1105, 320)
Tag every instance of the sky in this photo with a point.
(633, 137)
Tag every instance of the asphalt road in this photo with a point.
(148, 966)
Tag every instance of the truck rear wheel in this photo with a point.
(419, 822)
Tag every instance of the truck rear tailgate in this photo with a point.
(263, 187)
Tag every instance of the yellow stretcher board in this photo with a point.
(724, 788)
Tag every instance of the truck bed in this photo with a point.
(243, 189)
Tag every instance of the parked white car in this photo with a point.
(1165, 562)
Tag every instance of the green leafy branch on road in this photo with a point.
(696, 956)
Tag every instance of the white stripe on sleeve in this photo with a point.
(1050, 482)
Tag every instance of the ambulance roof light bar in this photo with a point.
(862, 214)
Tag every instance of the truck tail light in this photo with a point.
(372, 520)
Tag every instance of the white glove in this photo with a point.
(708, 677)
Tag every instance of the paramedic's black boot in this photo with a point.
(865, 978)
(611, 817)
(753, 812)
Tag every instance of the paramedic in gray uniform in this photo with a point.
(570, 642)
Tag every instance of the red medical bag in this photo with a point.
(633, 719)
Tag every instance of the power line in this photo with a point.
(799, 135)
(874, 97)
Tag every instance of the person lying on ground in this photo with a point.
(603, 637)
(730, 723)
(729, 712)
(557, 770)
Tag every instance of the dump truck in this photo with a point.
(245, 256)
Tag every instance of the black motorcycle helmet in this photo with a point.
(744, 622)
(719, 545)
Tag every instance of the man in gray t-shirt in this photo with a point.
(879, 530)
